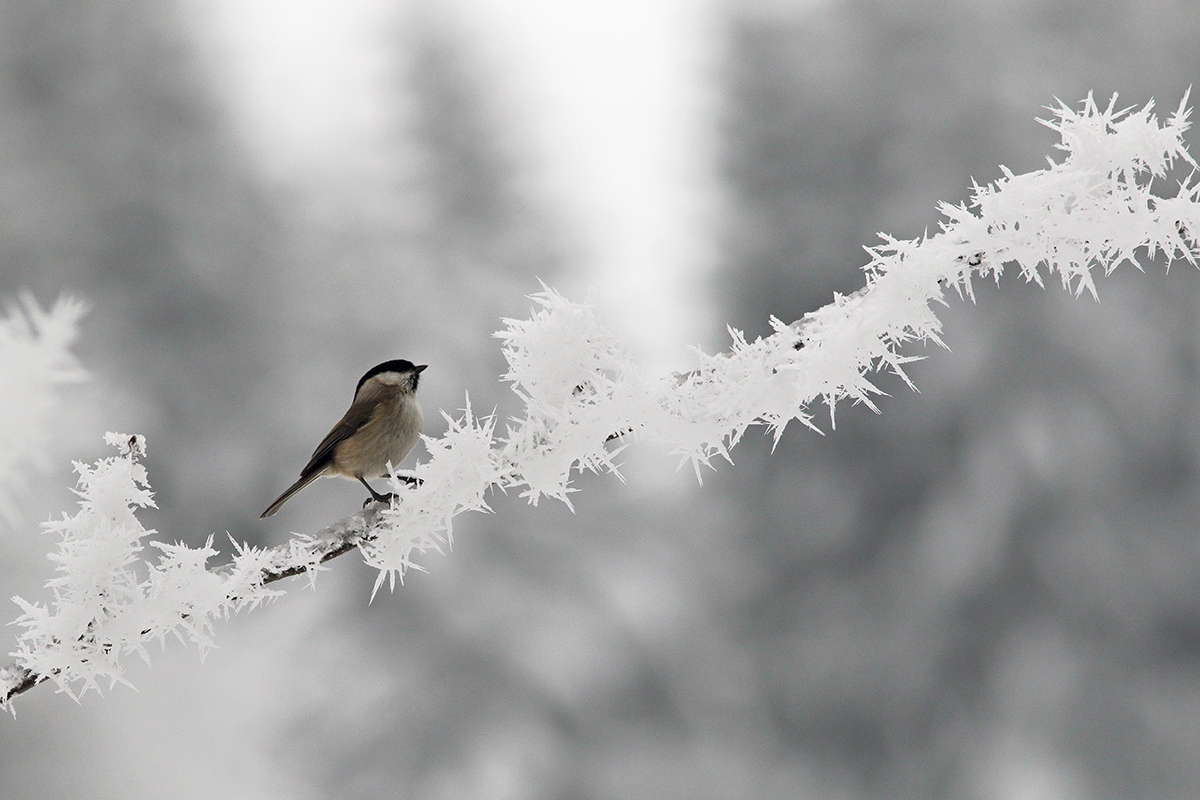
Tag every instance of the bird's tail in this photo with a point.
(305, 480)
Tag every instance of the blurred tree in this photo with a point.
(123, 183)
(928, 627)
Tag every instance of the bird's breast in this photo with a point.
(389, 435)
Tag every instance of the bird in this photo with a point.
(382, 425)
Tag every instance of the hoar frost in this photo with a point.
(583, 397)
(109, 600)
(35, 359)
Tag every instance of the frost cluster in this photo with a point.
(1093, 210)
(109, 599)
(583, 398)
(35, 359)
(462, 467)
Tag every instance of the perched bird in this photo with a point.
(382, 425)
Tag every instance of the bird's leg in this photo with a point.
(376, 497)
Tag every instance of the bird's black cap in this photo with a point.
(396, 365)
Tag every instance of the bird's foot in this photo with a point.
(378, 498)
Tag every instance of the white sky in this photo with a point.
(614, 98)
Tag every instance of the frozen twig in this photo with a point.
(302, 555)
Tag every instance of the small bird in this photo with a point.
(382, 425)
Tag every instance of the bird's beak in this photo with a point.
(422, 368)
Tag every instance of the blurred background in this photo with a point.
(988, 591)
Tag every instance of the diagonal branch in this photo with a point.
(299, 556)
(1094, 210)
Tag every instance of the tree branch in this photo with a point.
(299, 556)
(1094, 210)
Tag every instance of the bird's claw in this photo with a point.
(379, 498)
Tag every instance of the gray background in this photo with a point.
(989, 591)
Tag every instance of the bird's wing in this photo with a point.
(347, 426)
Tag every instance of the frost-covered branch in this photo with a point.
(103, 609)
(1094, 210)
(1098, 207)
